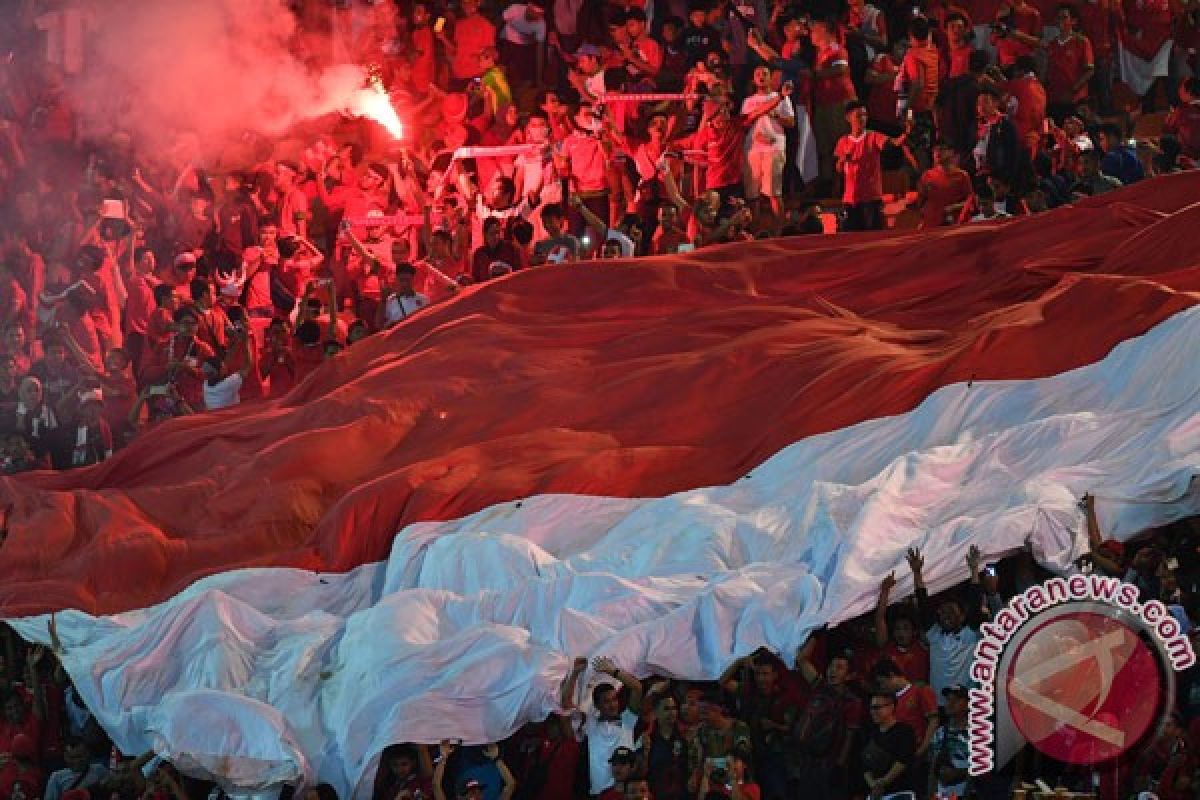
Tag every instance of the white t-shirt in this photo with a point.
(226, 392)
(401, 308)
(768, 127)
(605, 736)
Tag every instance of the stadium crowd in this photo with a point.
(872, 708)
(138, 285)
(135, 288)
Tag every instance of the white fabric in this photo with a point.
(806, 146)
(470, 626)
(226, 393)
(1139, 73)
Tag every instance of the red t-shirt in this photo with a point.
(914, 707)
(471, 35)
(1097, 21)
(942, 188)
(1030, 115)
(723, 152)
(424, 62)
(278, 370)
(1184, 122)
(921, 65)
(188, 375)
(1028, 21)
(863, 173)
(960, 60)
(881, 97)
(1066, 62)
(913, 661)
(832, 91)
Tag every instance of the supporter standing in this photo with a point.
(858, 161)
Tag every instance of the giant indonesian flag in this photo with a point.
(671, 461)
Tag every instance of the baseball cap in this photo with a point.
(622, 755)
(957, 689)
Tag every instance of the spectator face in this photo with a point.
(946, 157)
(553, 224)
(186, 326)
(76, 757)
(635, 28)
(904, 632)
(697, 17)
(420, 15)
(89, 413)
(950, 615)
(838, 671)
(622, 770)
(147, 262)
(883, 711)
(1066, 22)
(670, 33)
(762, 79)
(537, 131)
(8, 369)
(402, 766)
(793, 29)
(115, 361)
(956, 704)
(285, 178)
(404, 283)
(14, 710)
(491, 235)
(14, 339)
(690, 710)
(657, 127)
(268, 235)
(857, 118)
(501, 194)
(668, 216)
(764, 677)
(639, 790)
(714, 714)
(470, 7)
(956, 30)
(611, 249)
(610, 704)
(589, 64)
(668, 711)
(56, 355)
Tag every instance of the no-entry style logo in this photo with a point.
(1078, 667)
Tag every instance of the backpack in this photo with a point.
(821, 726)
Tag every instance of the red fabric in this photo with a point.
(863, 172)
(1065, 64)
(467, 404)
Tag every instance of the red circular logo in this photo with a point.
(1083, 687)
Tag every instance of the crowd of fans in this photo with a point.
(137, 286)
(872, 708)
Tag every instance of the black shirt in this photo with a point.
(885, 748)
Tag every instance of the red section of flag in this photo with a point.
(625, 378)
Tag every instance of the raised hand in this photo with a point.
(973, 559)
(604, 664)
(888, 583)
(491, 751)
(916, 562)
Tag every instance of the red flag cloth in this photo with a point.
(621, 378)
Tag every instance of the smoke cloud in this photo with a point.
(213, 69)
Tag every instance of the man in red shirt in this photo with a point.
(1030, 96)
(918, 84)
(943, 190)
(1184, 121)
(831, 90)
(1098, 21)
(1070, 64)
(857, 154)
(472, 34)
(722, 136)
(1016, 32)
(958, 45)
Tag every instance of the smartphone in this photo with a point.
(439, 25)
(157, 391)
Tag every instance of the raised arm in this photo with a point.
(605, 665)
(1096, 539)
(492, 751)
(567, 691)
(881, 607)
(916, 562)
